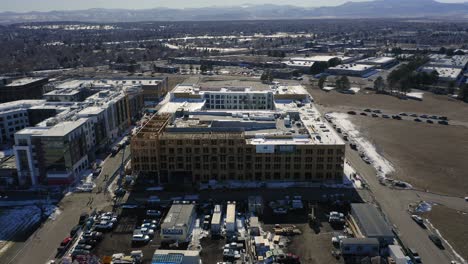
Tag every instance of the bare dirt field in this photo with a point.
(428, 156)
(451, 224)
(432, 104)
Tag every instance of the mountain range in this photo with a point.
(371, 9)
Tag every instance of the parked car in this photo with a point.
(377, 111)
(403, 114)
(414, 115)
(363, 114)
(83, 218)
(86, 241)
(423, 116)
(418, 220)
(96, 172)
(417, 120)
(443, 122)
(93, 235)
(147, 231)
(139, 238)
(396, 117)
(84, 246)
(104, 225)
(367, 110)
(415, 255)
(79, 252)
(429, 121)
(443, 118)
(280, 210)
(74, 230)
(149, 225)
(66, 241)
(436, 240)
(351, 113)
(153, 213)
(385, 116)
(375, 115)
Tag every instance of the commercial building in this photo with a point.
(178, 223)
(358, 70)
(23, 88)
(14, 117)
(360, 246)
(371, 223)
(60, 138)
(253, 132)
(443, 61)
(379, 62)
(176, 257)
(153, 88)
(300, 62)
(445, 74)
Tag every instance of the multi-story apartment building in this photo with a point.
(14, 117)
(189, 141)
(20, 89)
(53, 155)
(68, 134)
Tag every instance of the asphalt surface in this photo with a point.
(42, 244)
(394, 204)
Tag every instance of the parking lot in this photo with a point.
(317, 237)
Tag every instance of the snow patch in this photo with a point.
(423, 207)
(382, 165)
(13, 221)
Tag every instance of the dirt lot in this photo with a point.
(451, 224)
(429, 156)
(431, 104)
(314, 245)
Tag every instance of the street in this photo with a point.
(41, 245)
(394, 204)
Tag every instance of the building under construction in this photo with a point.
(188, 142)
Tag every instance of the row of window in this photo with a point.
(207, 150)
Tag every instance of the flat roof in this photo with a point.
(444, 72)
(20, 104)
(370, 220)
(63, 128)
(360, 241)
(376, 60)
(178, 215)
(352, 67)
(24, 81)
(323, 58)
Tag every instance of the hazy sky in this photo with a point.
(46, 5)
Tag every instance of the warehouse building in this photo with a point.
(248, 133)
(371, 223)
(379, 62)
(178, 223)
(353, 69)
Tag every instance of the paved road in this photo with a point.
(41, 246)
(394, 203)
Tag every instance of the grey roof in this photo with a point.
(179, 215)
(370, 220)
(360, 241)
